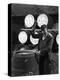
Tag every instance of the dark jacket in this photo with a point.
(46, 44)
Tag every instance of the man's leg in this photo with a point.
(44, 64)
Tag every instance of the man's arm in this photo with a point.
(49, 44)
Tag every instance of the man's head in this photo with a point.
(44, 28)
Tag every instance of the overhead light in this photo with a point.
(57, 39)
(22, 37)
(34, 41)
(42, 20)
(29, 21)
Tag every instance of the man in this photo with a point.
(44, 47)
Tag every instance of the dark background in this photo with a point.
(18, 13)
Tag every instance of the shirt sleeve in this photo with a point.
(49, 43)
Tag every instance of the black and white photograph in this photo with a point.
(33, 39)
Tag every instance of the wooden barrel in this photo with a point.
(24, 63)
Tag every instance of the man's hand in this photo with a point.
(36, 51)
